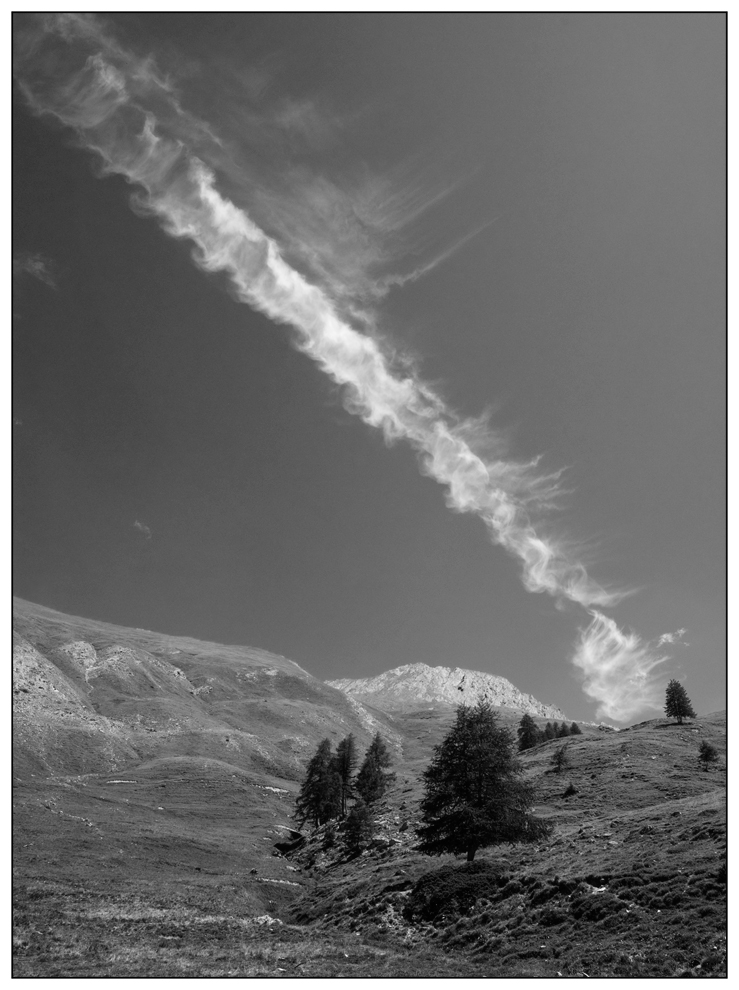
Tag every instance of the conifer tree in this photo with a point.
(575, 729)
(474, 793)
(373, 778)
(560, 761)
(677, 702)
(359, 827)
(345, 762)
(549, 731)
(707, 754)
(564, 730)
(529, 733)
(320, 794)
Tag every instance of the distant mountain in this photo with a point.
(416, 685)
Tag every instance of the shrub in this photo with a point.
(595, 907)
(552, 916)
(453, 887)
(510, 888)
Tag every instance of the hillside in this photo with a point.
(154, 776)
(416, 685)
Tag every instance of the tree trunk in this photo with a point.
(471, 853)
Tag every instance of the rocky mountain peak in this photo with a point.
(417, 685)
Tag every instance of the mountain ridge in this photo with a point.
(416, 685)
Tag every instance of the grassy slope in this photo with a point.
(154, 856)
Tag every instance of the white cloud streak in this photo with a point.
(617, 669)
(124, 110)
(429, 266)
(35, 265)
(143, 528)
(672, 637)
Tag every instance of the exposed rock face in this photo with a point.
(418, 686)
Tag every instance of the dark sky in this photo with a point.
(531, 207)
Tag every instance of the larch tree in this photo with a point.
(475, 796)
(707, 754)
(374, 778)
(677, 702)
(560, 760)
(319, 799)
(359, 827)
(529, 733)
(345, 762)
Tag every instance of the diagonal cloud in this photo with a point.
(123, 109)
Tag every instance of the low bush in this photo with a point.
(452, 888)
(510, 888)
(552, 916)
(594, 907)
(543, 895)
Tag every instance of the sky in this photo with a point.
(377, 339)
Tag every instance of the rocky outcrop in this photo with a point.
(416, 685)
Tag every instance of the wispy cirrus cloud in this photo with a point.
(617, 669)
(143, 528)
(305, 250)
(37, 265)
(672, 637)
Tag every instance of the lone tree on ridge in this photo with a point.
(474, 793)
(677, 702)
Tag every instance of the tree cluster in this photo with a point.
(475, 795)
(331, 782)
(529, 733)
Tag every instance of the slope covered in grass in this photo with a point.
(154, 775)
